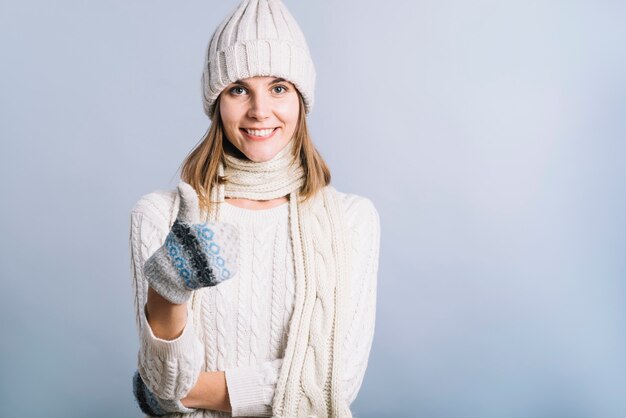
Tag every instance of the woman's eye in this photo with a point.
(235, 90)
(280, 87)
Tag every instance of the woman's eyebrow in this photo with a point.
(274, 81)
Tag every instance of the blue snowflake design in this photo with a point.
(178, 258)
(187, 257)
(212, 250)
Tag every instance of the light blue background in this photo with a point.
(489, 134)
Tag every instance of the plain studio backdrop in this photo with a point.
(489, 134)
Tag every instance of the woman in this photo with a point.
(255, 280)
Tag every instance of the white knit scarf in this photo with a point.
(309, 382)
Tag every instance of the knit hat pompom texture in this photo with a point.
(260, 38)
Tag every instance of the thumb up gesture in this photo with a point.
(194, 254)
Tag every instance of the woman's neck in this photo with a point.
(256, 204)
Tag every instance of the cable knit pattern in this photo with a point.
(168, 368)
(243, 323)
(278, 288)
(364, 231)
(259, 255)
(290, 290)
(319, 352)
(172, 366)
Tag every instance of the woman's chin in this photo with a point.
(260, 158)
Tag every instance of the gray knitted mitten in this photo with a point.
(194, 255)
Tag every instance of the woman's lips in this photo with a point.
(258, 138)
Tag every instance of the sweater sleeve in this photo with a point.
(169, 368)
(251, 389)
(364, 244)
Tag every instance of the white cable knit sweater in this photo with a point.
(241, 325)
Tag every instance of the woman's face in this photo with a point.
(259, 115)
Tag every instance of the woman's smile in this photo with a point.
(259, 134)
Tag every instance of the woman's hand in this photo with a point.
(194, 255)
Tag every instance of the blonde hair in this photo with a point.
(199, 168)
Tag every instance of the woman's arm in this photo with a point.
(170, 355)
(364, 244)
(167, 333)
(242, 391)
(210, 392)
(253, 389)
(166, 319)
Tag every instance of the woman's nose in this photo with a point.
(259, 107)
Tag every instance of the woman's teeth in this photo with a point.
(259, 132)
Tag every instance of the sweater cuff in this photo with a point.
(170, 367)
(251, 389)
(180, 345)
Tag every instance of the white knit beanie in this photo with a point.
(260, 38)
